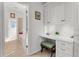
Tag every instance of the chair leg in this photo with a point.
(41, 49)
(51, 53)
(52, 50)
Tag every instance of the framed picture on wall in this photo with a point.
(12, 15)
(37, 15)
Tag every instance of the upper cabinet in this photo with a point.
(53, 17)
(57, 13)
(54, 13)
(70, 14)
(60, 13)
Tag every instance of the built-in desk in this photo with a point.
(57, 37)
(64, 45)
(48, 36)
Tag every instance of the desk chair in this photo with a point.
(48, 45)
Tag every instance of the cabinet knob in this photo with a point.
(72, 37)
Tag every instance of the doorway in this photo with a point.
(15, 30)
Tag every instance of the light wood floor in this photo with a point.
(19, 50)
(10, 47)
(45, 53)
(15, 49)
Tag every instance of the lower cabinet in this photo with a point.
(64, 49)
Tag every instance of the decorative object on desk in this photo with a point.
(47, 34)
(37, 15)
(57, 33)
(12, 15)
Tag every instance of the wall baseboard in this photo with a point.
(35, 52)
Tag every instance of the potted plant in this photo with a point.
(57, 33)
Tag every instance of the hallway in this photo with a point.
(14, 49)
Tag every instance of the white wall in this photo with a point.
(1, 29)
(35, 27)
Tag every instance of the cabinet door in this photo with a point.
(64, 49)
(59, 12)
(76, 34)
(69, 14)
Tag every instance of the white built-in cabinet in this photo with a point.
(53, 14)
(58, 14)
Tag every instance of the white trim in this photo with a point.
(35, 52)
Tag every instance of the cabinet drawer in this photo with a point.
(63, 44)
(65, 51)
(63, 54)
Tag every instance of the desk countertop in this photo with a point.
(57, 37)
